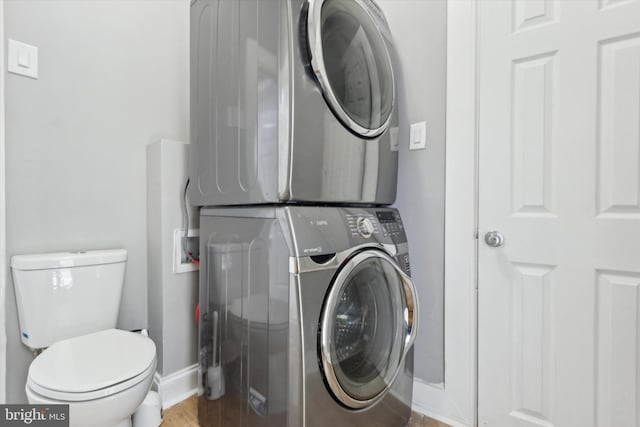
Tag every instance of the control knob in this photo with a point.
(365, 227)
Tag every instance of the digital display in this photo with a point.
(386, 216)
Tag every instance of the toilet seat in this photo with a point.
(92, 366)
(91, 395)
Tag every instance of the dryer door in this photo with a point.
(351, 62)
(368, 324)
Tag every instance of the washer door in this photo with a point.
(351, 62)
(368, 324)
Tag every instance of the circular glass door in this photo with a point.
(351, 62)
(364, 327)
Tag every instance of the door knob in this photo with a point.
(494, 239)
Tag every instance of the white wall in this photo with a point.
(419, 31)
(113, 77)
(3, 230)
(172, 297)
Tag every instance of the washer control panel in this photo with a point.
(390, 223)
(385, 223)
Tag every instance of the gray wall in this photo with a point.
(419, 31)
(113, 77)
(172, 297)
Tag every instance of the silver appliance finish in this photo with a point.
(291, 100)
(308, 318)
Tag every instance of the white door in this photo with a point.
(559, 178)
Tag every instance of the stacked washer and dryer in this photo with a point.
(307, 311)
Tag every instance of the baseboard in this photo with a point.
(176, 387)
(431, 400)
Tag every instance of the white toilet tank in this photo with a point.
(67, 294)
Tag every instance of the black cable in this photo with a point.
(185, 223)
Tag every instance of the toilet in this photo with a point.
(68, 307)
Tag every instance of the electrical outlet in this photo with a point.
(181, 263)
(193, 249)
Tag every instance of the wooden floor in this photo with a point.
(185, 414)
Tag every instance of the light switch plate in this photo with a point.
(418, 136)
(22, 59)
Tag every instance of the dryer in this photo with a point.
(292, 101)
(308, 317)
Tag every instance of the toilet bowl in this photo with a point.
(68, 304)
(103, 377)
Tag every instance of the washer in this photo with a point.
(308, 317)
(292, 100)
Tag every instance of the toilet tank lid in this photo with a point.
(67, 259)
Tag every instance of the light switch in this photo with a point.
(418, 136)
(22, 59)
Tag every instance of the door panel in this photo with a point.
(531, 140)
(532, 346)
(559, 174)
(527, 14)
(619, 133)
(618, 362)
